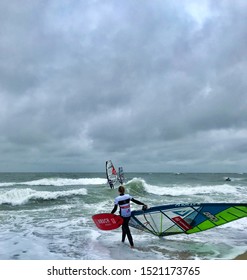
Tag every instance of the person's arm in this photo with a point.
(114, 209)
(138, 202)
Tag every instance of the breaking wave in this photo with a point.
(58, 182)
(23, 196)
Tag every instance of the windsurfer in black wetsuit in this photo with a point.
(111, 184)
(123, 200)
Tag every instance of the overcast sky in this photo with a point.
(153, 85)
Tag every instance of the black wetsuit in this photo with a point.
(123, 200)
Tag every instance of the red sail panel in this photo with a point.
(182, 223)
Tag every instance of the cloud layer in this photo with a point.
(154, 86)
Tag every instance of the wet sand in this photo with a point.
(242, 257)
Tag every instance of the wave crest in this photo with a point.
(58, 182)
(23, 196)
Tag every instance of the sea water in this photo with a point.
(47, 216)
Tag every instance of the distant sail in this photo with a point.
(120, 175)
(186, 218)
(111, 173)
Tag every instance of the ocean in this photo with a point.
(47, 216)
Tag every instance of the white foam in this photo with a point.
(178, 190)
(22, 196)
(25, 246)
(59, 182)
(6, 184)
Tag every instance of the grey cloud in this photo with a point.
(145, 85)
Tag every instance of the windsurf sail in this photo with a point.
(120, 175)
(186, 218)
(111, 173)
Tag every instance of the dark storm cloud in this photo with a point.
(157, 86)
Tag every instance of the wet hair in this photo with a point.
(121, 189)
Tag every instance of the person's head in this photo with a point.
(121, 189)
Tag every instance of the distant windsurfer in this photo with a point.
(123, 200)
(111, 184)
(120, 175)
(111, 173)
